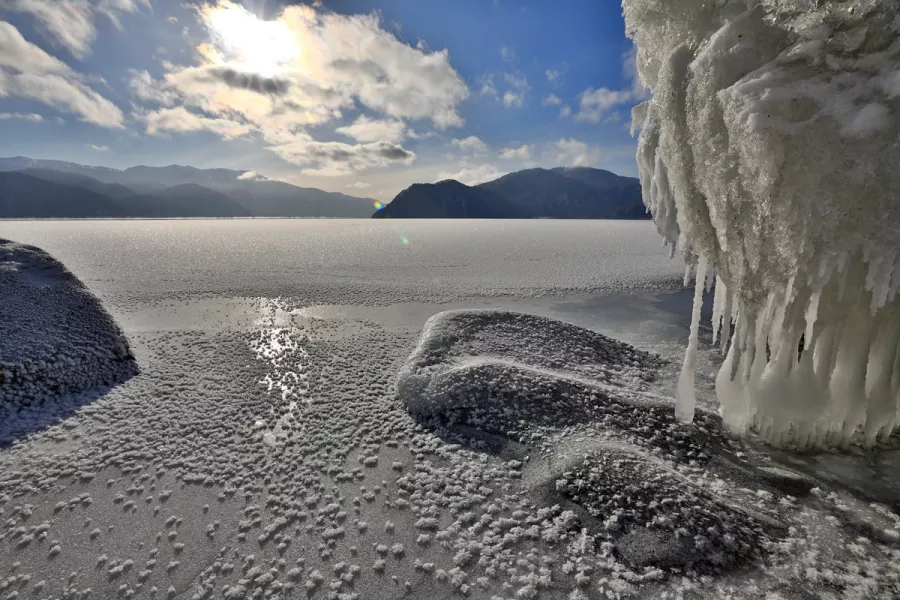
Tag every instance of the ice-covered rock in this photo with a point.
(503, 341)
(573, 405)
(769, 154)
(55, 336)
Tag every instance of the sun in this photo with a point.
(257, 46)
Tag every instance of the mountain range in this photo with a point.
(31, 188)
(560, 193)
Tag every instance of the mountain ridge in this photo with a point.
(447, 199)
(558, 193)
(82, 191)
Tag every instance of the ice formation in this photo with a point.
(55, 336)
(769, 152)
(574, 402)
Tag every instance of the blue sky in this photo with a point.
(358, 96)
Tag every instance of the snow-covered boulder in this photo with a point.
(573, 410)
(55, 336)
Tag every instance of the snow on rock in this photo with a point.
(55, 337)
(528, 385)
(462, 339)
(769, 152)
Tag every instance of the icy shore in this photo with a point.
(264, 452)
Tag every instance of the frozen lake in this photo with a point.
(263, 448)
(356, 261)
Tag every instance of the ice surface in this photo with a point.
(769, 150)
(55, 337)
(355, 261)
(263, 450)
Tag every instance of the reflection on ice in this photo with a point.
(286, 378)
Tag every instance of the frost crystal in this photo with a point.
(769, 152)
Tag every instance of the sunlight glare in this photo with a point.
(263, 47)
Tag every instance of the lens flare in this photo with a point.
(405, 240)
(378, 205)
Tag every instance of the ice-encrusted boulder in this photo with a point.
(574, 405)
(55, 336)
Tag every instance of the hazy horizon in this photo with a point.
(352, 192)
(356, 97)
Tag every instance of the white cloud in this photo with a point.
(551, 100)
(307, 68)
(508, 54)
(26, 71)
(565, 111)
(574, 153)
(18, 54)
(98, 148)
(552, 75)
(471, 145)
(252, 176)
(515, 96)
(70, 23)
(470, 175)
(513, 99)
(22, 117)
(144, 88)
(180, 120)
(336, 158)
(488, 88)
(523, 153)
(365, 129)
(594, 105)
(359, 185)
(414, 135)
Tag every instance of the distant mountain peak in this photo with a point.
(561, 192)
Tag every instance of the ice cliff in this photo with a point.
(769, 156)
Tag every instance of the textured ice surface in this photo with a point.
(55, 337)
(648, 497)
(263, 450)
(769, 152)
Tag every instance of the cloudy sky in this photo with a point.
(359, 96)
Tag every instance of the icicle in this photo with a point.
(895, 281)
(709, 279)
(848, 380)
(729, 318)
(882, 401)
(812, 314)
(688, 270)
(685, 400)
(731, 390)
(719, 301)
(882, 286)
